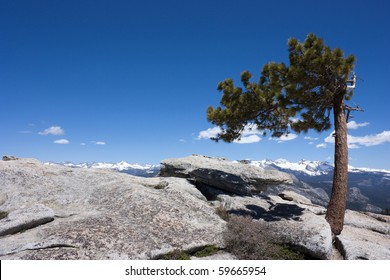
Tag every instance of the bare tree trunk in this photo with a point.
(338, 199)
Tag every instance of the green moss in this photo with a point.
(286, 253)
(207, 251)
(176, 255)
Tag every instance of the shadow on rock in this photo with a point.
(276, 213)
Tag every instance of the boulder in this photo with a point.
(57, 212)
(233, 177)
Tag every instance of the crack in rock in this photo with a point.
(26, 218)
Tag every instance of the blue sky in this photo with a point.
(131, 80)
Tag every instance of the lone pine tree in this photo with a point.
(295, 97)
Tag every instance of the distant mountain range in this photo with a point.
(143, 170)
(368, 189)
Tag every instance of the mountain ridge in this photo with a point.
(309, 167)
(368, 189)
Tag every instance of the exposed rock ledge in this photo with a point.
(55, 212)
(237, 178)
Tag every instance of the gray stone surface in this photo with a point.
(233, 177)
(100, 214)
(56, 212)
(25, 218)
(363, 244)
(292, 196)
(365, 236)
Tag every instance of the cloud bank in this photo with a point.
(355, 142)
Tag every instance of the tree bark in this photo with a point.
(338, 200)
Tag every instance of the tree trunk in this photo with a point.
(338, 199)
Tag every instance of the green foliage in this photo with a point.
(306, 90)
(207, 251)
(250, 239)
(178, 254)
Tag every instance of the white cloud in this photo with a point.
(322, 145)
(99, 142)
(209, 133)
(310, 138)
(355, 142)
(248, 135)
(353, 146)
(53, 130)
(355, 125)
(330, 138)
(294, 120)
(248, 139)
(61, 141)
(370, 140)
(284, 137)
(250, 129)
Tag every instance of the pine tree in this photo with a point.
(295, 97)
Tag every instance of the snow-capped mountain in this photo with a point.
(312, 168)
(143, 170)
(368, 189)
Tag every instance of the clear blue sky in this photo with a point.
(131, 80)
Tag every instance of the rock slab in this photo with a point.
(233, 177)
(57, 212)
(365, 236)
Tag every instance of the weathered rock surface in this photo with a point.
(26, 218)
(315, 195)
(56, 212)
(62, 213)
(233, 177)
(365, 236)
